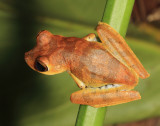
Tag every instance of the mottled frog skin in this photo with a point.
(105, 71)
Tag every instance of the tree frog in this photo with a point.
(106, 71)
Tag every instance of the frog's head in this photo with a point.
(46, 56)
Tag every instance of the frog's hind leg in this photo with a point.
(117, 46)
(90, 37)
(101, 97)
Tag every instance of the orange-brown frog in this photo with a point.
(106, 72)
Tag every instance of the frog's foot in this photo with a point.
(90, 37)
(110, 94)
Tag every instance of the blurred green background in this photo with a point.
(28, 98)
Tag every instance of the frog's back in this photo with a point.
(94, 65)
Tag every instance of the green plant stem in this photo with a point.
(90, 116)
(117, 14)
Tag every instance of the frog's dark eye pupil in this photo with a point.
(40, 66)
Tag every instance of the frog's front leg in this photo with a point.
(78, 82)
(90, 37)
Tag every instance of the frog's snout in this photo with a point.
(28, 59)
(26, 56)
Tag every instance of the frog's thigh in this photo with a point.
(90, 37)
(100, 98)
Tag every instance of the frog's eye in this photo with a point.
(41, 67)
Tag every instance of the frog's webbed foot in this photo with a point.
(90, 37)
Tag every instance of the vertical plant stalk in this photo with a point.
(117, 14)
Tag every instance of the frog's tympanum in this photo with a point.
(105, 71)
